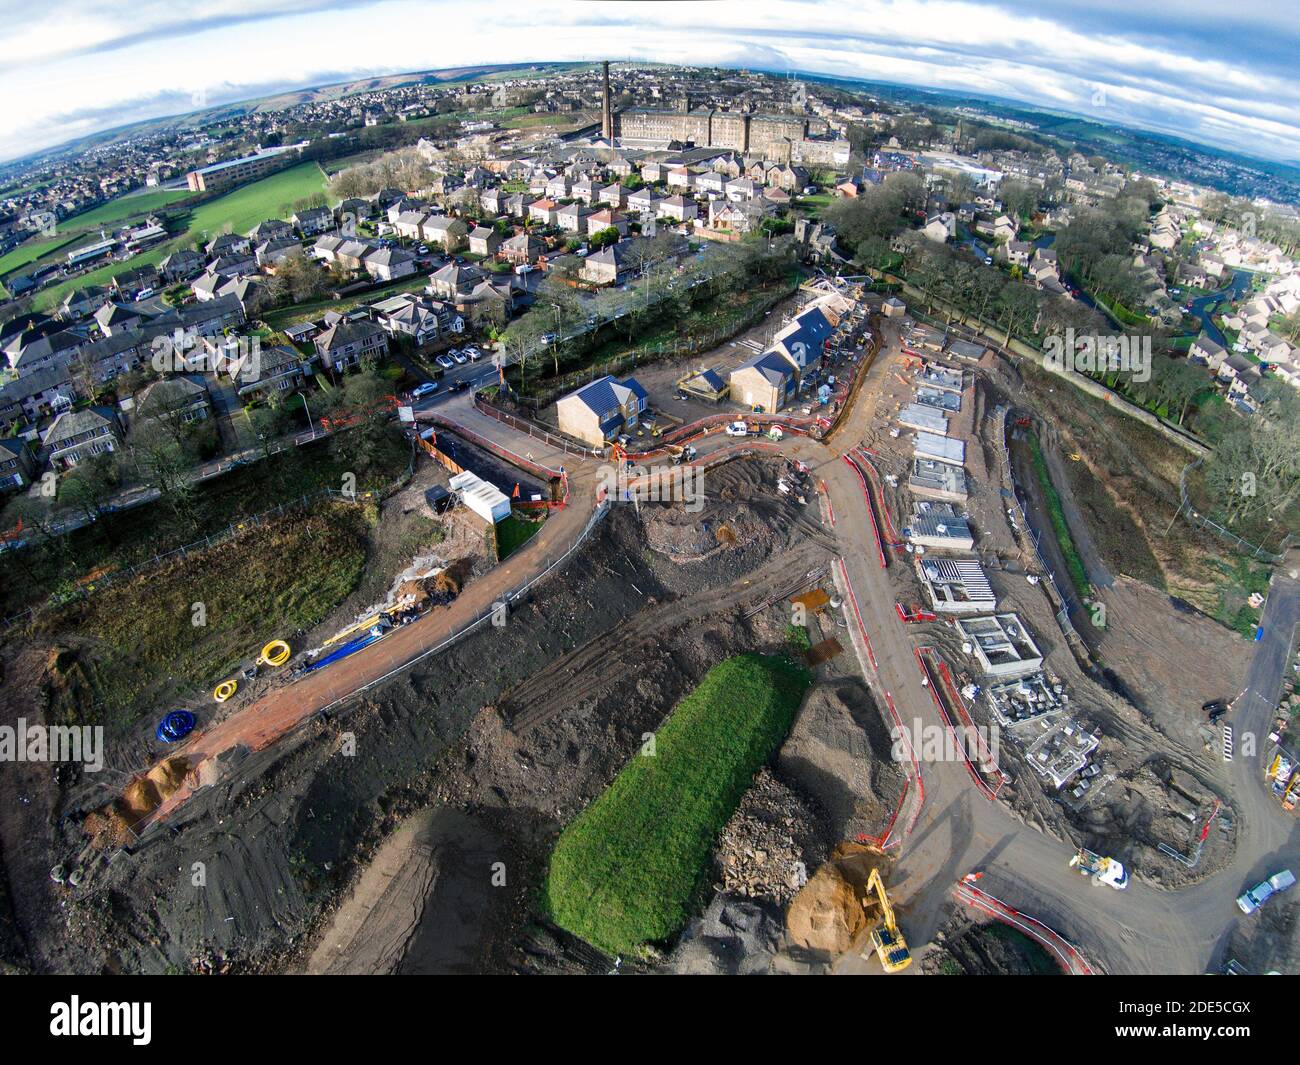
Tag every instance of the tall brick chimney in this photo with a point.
(606, 115)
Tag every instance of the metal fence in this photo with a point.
(1197, 518)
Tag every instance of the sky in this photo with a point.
(1217, 73)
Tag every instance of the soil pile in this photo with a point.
(828, 915)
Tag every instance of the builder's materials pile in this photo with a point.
(111, 825)
(827, 916)
(770, 844)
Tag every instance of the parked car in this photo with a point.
(1253, 899)
(737, 429)
(446, 362)
(459, 356)
(426, 389)
(143, 294)
(473, 353)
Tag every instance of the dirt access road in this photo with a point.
(1141, 930)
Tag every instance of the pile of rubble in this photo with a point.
(770, 844)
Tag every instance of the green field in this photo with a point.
(243, 208)
(128, 206)
(31, 250)
(240, 209)
(630, 868)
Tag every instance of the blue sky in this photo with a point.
(1218, 73)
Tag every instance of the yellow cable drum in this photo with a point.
(275, 653)
(224, 690)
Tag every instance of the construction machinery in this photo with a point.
(886, 940)
(1102, 870)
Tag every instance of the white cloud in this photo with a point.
(83, 66)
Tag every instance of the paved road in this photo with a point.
(1255, 707)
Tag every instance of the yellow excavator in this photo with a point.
(886, 939)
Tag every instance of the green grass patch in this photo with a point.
(133, 537)
(31, 250)
(631, 868)
(268, 582)
(132, 205)
(1078, 573)
(512, 533)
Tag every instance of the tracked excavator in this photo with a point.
(886, 940)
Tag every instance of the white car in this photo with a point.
(737, 429)
(474, 354)
(460, 357)
(446, 362)
(1253, 899)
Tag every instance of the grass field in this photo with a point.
(241, 209)
(129, 206)
(30, 251)
(269, 582)
(630, 868)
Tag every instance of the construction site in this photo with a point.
(845, 634)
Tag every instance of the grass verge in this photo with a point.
(1073, 561)
(630, 868)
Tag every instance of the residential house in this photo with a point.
(180, 265)
(677, 208)
(1206, 350)
(178, 398)
(75, 436)
(271, 229)
(313, 221)
(114, 318)
(17, 466)
(941, 228)
(484, 240)
(449, 233)
(543, 211)
(572, 218)
(81, 302)
(36, 396)
(345, 344)
(602, 410)
(454, 280)
(521, 248)
(764, 383)
(606, 218)
(228, 244)
(423, 320)
(388, 264)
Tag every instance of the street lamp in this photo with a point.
(306, 408)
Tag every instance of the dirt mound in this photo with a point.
(67, 689)
(828, 916)
(111, 825)
(451, 580)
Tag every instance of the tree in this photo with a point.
(90, 485)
